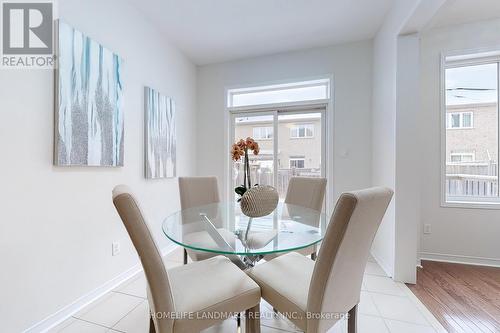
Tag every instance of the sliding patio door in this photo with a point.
(292, 143)
(261, 128)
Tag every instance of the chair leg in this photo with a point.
(352, 320)
(313, 256)
(185, 257)
(252, 320)
(151, 325)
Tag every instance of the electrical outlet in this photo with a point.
(115, 248)
(427, 229)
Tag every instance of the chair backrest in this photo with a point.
(338, 272)
(198, 191)
(159, 292)
(306, 192)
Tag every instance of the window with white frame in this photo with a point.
(459, 120)
(462, 157)
(470, 170)
(268, 113)
(263, 133)
(302, 91)
(280, 157)
(298, 131)
(297, 163)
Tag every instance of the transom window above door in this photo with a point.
(302, 91)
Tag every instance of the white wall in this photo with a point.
(350, 65)
(466, 235)
(57, 224)
(407, 161)
(384, 124)
(383, 142)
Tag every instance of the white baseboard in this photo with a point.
(385, 267)
(72, 308)
(460, 259)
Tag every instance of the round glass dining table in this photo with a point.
(222, 228)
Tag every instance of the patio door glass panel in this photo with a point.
(291, 144)
(299, 147)
(261, 128)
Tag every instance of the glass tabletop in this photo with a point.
(222, 228)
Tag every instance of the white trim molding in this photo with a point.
(456, 59)
(460, 259)
(385, 267)
(72, 308)
(322, 84)
(323, 106)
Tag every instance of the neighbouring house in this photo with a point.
(471, 143)
(299, 151)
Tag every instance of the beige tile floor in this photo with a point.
(385, 307)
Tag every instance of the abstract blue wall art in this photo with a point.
(89, 113)
(160, 136)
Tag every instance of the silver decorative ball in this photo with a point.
(259, 201)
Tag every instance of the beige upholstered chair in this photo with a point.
(197, 191)
(201, 289)
(307, 192)
(294, 284)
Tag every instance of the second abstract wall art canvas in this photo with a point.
(160, 135)
(89, 115)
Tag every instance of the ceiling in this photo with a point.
(465, 11)
(211, 31)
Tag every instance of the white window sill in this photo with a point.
(493, 205)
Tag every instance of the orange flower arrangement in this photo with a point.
(238, 150)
